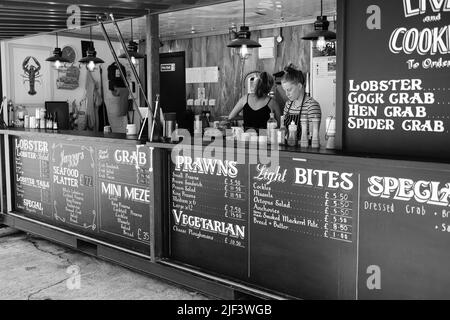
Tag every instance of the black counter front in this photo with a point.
(313, 226)
(95, 185)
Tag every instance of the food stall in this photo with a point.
(364, 218)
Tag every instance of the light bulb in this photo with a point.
(91, 66)
(133, 60)
(57, 64)
(321, 44)
(244, 51)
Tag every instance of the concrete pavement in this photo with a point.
(32, 268)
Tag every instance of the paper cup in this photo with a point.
(131, 129)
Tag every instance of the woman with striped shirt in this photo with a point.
(299, 106)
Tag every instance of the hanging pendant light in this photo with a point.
(91, 59)
(243, 41)
(57, 57)
(132, 49)
(321, 33)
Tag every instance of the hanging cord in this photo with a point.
(244, 13)
(131, 29)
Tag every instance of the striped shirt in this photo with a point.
(311, 108)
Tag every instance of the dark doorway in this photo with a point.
(173, 83)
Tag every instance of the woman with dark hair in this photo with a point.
(299, 106)
(258, 106)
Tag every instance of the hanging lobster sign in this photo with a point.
(31, 68)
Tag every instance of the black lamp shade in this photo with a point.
(132, 50)
(91, 56)
(321, 30)
(57, 56)
(243, 38)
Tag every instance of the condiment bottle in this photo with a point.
(315, 142)
(282, 132)
(292, 139)
(50, 121)
(11, 117)
(304, 142)
(197, 125)
(271, 129)
(55, 121)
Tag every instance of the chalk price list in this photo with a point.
(236, 195)
(124, 193)
(209, 203)
(32, 186)
(338, 220)
(73, 185)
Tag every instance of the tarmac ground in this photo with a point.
(32, 268)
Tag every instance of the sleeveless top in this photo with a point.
(256, 119)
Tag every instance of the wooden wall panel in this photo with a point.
(213, 51)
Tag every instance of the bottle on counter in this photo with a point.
(198, 125)
(11, 114)
(292, 139)
(271, 129)
(55, 121)
(174, 137)
(42, 123)
(20, 111)
(49, 121)
(26, 121)
(282, 132)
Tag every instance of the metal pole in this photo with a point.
(133, 68)
(116, 59)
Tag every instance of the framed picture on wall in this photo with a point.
(31, 76)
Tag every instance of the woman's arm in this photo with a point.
(237, 108)
(275, 109)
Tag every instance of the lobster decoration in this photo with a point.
(32, 73)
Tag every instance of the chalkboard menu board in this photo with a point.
(32, 176)
(397, 67)
(404, 234)
(316, 229)
(124, 192)
(303, 229)
(73, 185)
(209, 214)
(267, 226)
(102, 191)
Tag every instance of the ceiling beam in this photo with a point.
(58, 8)
(132, 5)
(63, 15)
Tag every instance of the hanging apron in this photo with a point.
(288, 118)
